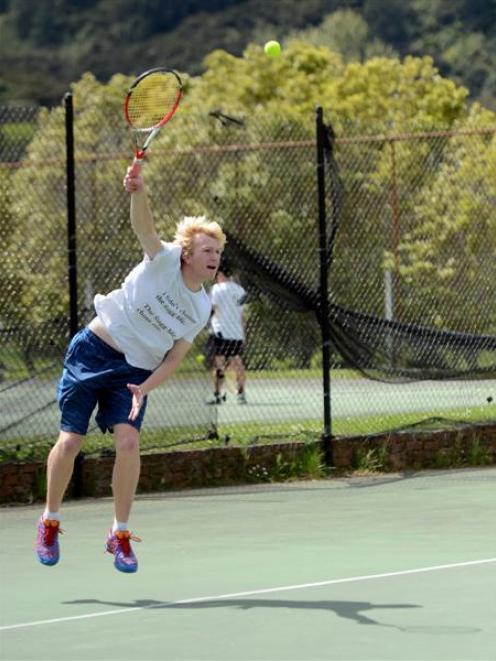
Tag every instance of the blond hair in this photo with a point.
(190, 226)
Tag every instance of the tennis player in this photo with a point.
(141, 333)
(228, 327)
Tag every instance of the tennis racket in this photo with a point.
(151, 102)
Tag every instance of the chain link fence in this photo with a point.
(410, 247)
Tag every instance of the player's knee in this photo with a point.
(219, 373)
(69, 444)
(127, 444)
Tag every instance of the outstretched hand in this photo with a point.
(133, 181)
(138, 399)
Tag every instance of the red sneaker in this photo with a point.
(119, 544)
(47, 541)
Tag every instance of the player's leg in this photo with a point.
(125, 479)
(126, 471)
(76, 403)
(77, 398)
(219, 368)
(114, 406)
(239, 368)
(60, 466)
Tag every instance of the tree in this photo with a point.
(38, 198)
(258, 178)
(448, 255)
(344, 32)
(393, 21)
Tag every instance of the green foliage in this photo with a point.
(370, 460)
(245, 435)
(38, 239)
(47, 45)
(387, 94)
(462, 454)
(379, 92)
(460, 223)
(450, 457)
(306, 462)
(39, 484)
(393, 21)
(345, 32)
(265, 187)
(478, 454)
(14, 134)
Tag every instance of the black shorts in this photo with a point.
(227, 348)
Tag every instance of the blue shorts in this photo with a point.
(96, 374)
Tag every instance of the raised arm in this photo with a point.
(140, 213)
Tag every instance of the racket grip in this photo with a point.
(135, 168)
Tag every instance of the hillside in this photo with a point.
(47, 44)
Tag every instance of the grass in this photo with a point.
(372, 460)
(478, 455)
(358, 426)
(430, 420)
(246, 434)
(307, 462)
(459, 455)
(313, 373)
(22, 449)
(15, 368)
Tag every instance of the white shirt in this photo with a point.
(227, 320)
(153, 308)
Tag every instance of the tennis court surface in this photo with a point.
(378, 567)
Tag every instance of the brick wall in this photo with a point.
(25, 482)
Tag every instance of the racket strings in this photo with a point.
(152, 100)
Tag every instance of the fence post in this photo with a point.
(71, 214)
(77, 485)
(323, 290)
(395, 234)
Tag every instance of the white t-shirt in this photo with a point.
(153, 308)
(227, 320)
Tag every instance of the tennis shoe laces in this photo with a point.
(47, 541)
(119, 545)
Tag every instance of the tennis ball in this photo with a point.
(272, 48)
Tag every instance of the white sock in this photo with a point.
(52, 516)
(119, 525)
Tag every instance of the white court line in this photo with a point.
(284, 588)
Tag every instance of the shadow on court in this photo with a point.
(397, 567)
(350, 610)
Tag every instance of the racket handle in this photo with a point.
(136, 166)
